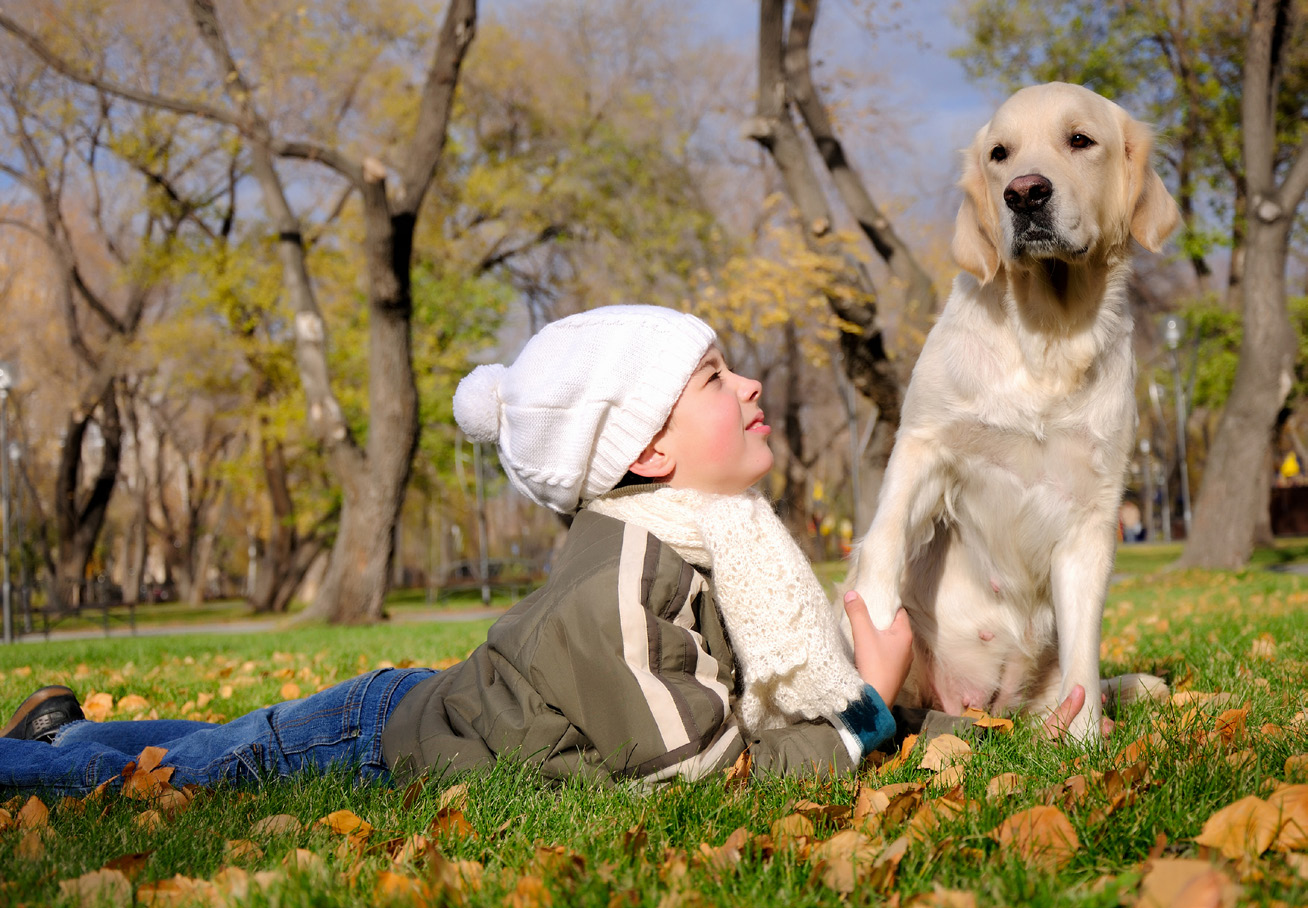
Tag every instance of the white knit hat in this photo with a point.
(583, 399)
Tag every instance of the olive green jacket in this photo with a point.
(619, 668)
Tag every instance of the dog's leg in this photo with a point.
(911, 498)
(1080, 570)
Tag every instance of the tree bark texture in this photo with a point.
(287, 555)
(80, 515)
(785, 82)
(1226, 511)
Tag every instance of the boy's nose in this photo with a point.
(750, 388)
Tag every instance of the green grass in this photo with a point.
(1245, 634)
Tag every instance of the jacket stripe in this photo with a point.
(718, 755)
(636, 622)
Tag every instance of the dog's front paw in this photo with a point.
(882, 604)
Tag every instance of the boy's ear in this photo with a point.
(653, 462)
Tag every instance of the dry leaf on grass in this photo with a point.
(98, 888)
(148, 820)
(31, 846)
(454, 798)
(451, 822)
(278, 824)
(242, 850)
(840, 859)
(943, 751)
(530, 892)
(1042, 836)
(97, 706)
(985, 720)
(1247, 827)
(881, 876)
(1004, 784)
(1296, 767)
(133, 703)
(1291, 805)
(1231, 724)
(795, 830)
(33, 814)
(346, 822)
(725, 856)
(738, 775)
(942, 898)
(1185, 883)
(304, 861)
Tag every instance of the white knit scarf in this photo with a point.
(794, 660)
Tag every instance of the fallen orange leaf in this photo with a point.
(1004, 784)
(840, 858)
(98, 887)
(346, 822)
(97, 707)
(150, 758)
(1246, 827)
(1296, 767)
(1185, 883)
(304, 861)
(944, 750)
(33, 814)
(1291, 805)
(133, 703)
(530, 892)
(1231, 724)
(1042, 836)
(278, 824)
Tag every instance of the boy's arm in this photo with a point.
(648, 697)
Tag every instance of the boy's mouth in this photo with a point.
(758, 425)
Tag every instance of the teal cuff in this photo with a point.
(869, 720)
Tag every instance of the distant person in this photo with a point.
(1132, 524)
(680, 623)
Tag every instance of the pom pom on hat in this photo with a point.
(584, 398)
(477, 403)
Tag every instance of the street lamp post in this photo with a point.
(8, 379)
(1173, 332)
(24, 591)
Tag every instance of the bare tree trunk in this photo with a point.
(79, 517)
(1227, 509)
(784, 78)
(793, 504)
(287, 556)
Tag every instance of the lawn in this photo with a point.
(997, 820)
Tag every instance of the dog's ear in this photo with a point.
(1154, 213)
(976, 231)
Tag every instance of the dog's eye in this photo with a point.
(998, 153)
(1080, 140)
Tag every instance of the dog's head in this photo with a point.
(1059, 172)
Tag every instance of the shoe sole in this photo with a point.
(26, 708)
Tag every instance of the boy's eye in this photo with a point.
(716, 376)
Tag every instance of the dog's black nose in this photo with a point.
(1027, 193)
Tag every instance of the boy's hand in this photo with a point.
(882, 658)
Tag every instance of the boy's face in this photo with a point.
(715, 440)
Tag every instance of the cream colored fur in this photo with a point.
(996, 522)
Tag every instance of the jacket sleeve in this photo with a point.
(640, 684)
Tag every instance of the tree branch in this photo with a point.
(418, 163)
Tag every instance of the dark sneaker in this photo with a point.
(42, 714)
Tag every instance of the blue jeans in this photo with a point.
(340, 726)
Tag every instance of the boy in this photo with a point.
(680, 624)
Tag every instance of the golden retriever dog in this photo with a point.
(996, 523)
